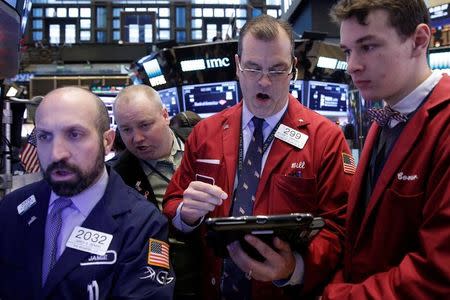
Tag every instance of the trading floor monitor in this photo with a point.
(210, 98)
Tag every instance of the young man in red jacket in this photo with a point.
(292, 177)
(398, 220)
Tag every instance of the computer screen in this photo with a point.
(440, 60)
(205, 63)
(154, 72)
(109, 103)
(209, 98)
(169, 98)
(327, 98)
(105, 90)
(26, 9)
(296, 89)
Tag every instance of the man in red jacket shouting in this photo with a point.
(238, 163)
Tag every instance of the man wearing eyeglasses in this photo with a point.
(266, 155)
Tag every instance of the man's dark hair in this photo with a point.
(404, 15)
(265, 28)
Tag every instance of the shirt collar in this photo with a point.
(87, 199)
(411, 102)
(271, 120)
(177, 147)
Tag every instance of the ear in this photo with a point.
(108, 140)
(165, 115)
(236, 61)
(421, 40)
(294, 66)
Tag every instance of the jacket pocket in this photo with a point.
(292, 194)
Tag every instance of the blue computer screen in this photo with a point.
(439, 60)
(109, 103)
(154, 73)
(328, 98)
(296, 89)
(169, 98)
(210, 98)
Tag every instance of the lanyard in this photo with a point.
(164, 177)
(266, 144)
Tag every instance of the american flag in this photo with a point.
(348, 163)
(29, 157)
(158, 253)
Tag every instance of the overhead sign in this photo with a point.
(203, 64)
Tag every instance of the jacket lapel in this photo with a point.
(358, 183)
(280, 150)
(34, 221)
(231, 130)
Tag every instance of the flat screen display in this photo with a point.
(204, 63)
(169, 98)
(296, 89)
(25, 12)
(154, 72)
(327, 98)
(439, 60)
(109, 103)
(209, 98)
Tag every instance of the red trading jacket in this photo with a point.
(321, 189)
(400, 247)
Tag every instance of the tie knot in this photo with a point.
(60, 204)
(383, 115)
(258, 122)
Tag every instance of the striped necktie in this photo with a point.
(52, 231)
(235, 285)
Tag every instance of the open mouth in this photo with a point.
(262, 96)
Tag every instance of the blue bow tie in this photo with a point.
(383, 115)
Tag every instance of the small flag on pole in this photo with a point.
(28, 156)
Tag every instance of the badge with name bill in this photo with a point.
(89, 240)
(291, 136)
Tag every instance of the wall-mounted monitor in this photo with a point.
(154, 73)
(440, 60)
(327, 98)
(209, 98)
(105, 90)
(296, 89)
(25, 11)
(210, 62)
(9, 39)
(169, 98)
(109, 103)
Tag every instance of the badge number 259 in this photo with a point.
(89, 240)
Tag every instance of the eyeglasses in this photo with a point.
(255, 74)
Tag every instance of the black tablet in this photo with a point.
(296, 229)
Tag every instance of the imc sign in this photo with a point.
(203, 64)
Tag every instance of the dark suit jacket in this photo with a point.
(185, 253)
(121, 212)
(130, 169)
